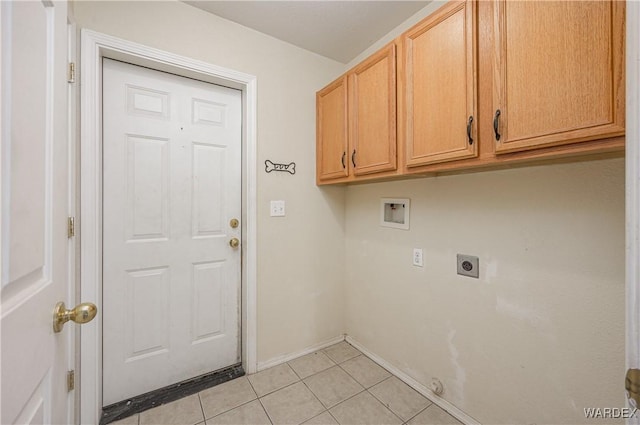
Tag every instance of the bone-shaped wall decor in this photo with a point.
(270, 166)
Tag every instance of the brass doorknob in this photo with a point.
(234, 242)
(632, 385)
(82, 313)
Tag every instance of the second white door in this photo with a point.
(172, 186)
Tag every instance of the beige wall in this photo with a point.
(411, 21)
(301, 256)
(540, 334)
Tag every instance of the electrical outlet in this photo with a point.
(417, 257)
(468, 265)
(277, 209)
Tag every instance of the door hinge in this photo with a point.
(71, 380)
(71, 77)
(71, 227)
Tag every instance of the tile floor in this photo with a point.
(337, 385)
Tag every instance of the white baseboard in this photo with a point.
(285, 358)
(442, 403)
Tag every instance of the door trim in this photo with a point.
(73, 210)
(95, 46)
(632, 192)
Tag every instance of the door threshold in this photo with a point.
(140, 403)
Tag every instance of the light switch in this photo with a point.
(277, 209)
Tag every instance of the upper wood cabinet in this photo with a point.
(356, 121)
(480, 84)
(559, 72)
(440, 90)
(332, 131)
(372, 117)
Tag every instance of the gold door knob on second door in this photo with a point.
(82, 313)
(234, 242)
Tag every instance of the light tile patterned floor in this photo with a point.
(337, 385)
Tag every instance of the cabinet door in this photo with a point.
(441, 86)
(331, 127)
(372, 119)
(559, 72)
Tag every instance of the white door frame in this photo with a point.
(633, 190)
(74, 245)
(95, 46)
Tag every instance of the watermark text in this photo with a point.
(609, 412)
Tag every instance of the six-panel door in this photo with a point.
(35, 208)
(171, 280)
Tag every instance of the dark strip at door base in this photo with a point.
(155, 398)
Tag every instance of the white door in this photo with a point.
(35, 194)
(171, 279)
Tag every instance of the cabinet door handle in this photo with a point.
(496, 122)
(344, 154)
(353, 158)
(469, 130)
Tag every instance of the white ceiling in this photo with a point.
(339, 30)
